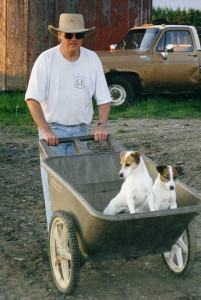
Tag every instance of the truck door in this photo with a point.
(181, 69)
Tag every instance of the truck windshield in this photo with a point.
(139, 39)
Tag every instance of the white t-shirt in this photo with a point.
(65, 89)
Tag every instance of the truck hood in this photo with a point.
(118, 53)
(122, 60)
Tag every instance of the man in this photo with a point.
(59, 95)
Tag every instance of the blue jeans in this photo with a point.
(62, 131)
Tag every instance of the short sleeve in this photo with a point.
(101, 94)
(38, 80)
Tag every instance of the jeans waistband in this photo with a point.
(53, 123)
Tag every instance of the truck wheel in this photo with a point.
(181, 258)
(121, 90)
(64, 252)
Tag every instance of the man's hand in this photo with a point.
(100, 134)
(50, 138)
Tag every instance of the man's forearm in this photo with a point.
(100, 134)
(38, 117)
(37, 114)
(103, 111)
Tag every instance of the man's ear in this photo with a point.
(59, 36)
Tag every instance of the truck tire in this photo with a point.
(121, 90)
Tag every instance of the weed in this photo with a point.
(121, 131)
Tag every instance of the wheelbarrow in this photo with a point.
(81, 186)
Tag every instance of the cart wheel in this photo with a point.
(64, 252)
(181, 259)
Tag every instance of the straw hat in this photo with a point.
(70, 23)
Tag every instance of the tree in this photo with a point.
(176, 16)
(168, 16)
(183, 17)
(190, 17)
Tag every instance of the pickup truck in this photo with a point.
(153, 59)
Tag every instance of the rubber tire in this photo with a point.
(192, 254)
(74, 250)
(126, 85)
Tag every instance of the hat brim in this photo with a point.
(55, 30)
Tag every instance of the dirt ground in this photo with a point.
(24, 266)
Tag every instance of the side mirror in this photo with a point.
(169, 48)
(113, 46)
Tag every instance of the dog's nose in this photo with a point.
(120, 175)
(171, 187)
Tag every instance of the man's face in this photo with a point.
(71, 42)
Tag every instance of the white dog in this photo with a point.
(164, 187)
(165, 198)
(136, 191)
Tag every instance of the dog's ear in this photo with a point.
(122, 154)
(178, 169)
(161, 168)
(136, 156)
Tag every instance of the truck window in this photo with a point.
(180, 39)
(139, 39)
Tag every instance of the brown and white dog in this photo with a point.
(164, 187)
(136, 190)
(165, 198)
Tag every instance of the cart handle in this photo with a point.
(114, 144)
(80, 147)
(80, 138)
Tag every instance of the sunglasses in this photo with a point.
(78, 35)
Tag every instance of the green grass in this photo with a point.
(14, 111)
(160, 107)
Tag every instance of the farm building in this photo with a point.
(24, 30)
